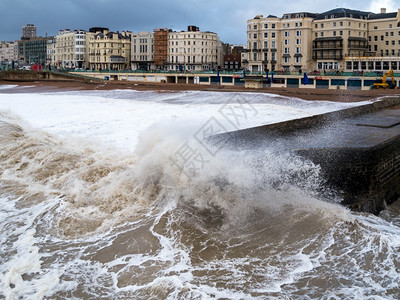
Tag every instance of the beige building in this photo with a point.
(108, 50)
(70, 49)
(280, 43)
(383, 45)
(142, 50)
(194, 50)
(336, 40)
(51, 52)
(8, 51)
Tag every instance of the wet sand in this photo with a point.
(306, 94)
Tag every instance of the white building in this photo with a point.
(51, 52)
(70, 49)
(194, 50)
(8, 51)
(142, 51)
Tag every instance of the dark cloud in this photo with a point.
(226, 17)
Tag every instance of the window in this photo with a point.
(255, 27)
(386, 33)
(286, 33)
(286, 50)
(273, 26)
(273, 35)
(322, 25)
(254, 45)
(387, 43)
(297, 59)
(340, 32)
(316, 25)
(298, 50)
(322, 34)
(375, 38)
(265, 34)
(334, 24)
(286, 42)
(286, 59)
(254, 56)
(298, 41)
(382, 38)
(375, 27)
(265, 45)
(391, 33)
(341, 23)
(273, 45)
(334, 33)
(265, 26)
(298, 33)
(255, 35)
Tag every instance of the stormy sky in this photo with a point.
(226, 17)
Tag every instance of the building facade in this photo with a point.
(194, 50)
(28, 31)
(161, 48)
(33, 50)
(337, 40)
(280, 43)
(8, 51)
(142, 50)
(70, 49)
(51, 52)
(108, 50)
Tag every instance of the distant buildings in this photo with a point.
(339, 39)
(336, 40)
(8, 51)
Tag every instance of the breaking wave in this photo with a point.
(81, 220)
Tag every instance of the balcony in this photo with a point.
(273, 49)
(273, 62)
(245, 61)
(265, 61)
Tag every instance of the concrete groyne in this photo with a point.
(357, 148)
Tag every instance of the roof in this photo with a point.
(344, 13)
(383, 16)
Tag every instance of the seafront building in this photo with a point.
(142, 50)
(161, 48)
(108, 50)
(33, 50)
(8, 51)
(339, 39)
(70, 49)
(194, 50)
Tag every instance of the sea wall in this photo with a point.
(360, 162)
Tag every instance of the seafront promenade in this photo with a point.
(332, 80)
(327, 81)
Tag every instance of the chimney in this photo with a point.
(383, 10)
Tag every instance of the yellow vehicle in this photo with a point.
(382, 84)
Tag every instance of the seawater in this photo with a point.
(95, 204)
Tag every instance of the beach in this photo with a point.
(302, 93)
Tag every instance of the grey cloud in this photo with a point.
(226, 17)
